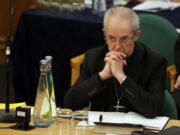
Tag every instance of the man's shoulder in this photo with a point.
(94, 58)
(97, 51)
(151, 58)
(149, 52)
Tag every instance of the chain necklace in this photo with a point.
(118, 106)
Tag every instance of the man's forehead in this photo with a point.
(117, 19)
(116, 24)
(118, 32)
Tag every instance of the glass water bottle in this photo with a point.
(42, 116)
(51, 86)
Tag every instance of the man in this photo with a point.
(123, 75)
(176, 92)
(177, 62)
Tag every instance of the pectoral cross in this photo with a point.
(118, 107)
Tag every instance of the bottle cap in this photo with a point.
(43, 66)
(43, 61)
(48, 57)
(49, 61)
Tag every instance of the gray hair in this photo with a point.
(123, 12)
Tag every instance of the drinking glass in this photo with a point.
(81, 115)
(65, 115)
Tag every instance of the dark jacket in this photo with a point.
(177, 55)
(142, 91)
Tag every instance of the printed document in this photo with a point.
(156, 123)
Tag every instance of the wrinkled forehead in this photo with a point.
(119, 27)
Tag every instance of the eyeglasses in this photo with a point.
(124, 39)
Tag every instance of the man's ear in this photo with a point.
(137, 35)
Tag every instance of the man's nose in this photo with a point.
(117, 45)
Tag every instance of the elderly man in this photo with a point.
(176, 92)
(123, 75)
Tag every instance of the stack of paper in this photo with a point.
(156, 123)
(155, 6)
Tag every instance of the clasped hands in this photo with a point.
(177, 84)
(114, 63)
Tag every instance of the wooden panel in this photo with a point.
(5, 8)
(2, 50)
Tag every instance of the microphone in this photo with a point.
(7, 115)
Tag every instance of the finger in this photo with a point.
(177, 85)
(124, 62)
(120, 55)
(107, 59)
(114, 57)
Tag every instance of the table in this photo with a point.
(61, 34)
(60, 128)
(171, 15)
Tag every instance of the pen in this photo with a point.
(100, 118)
